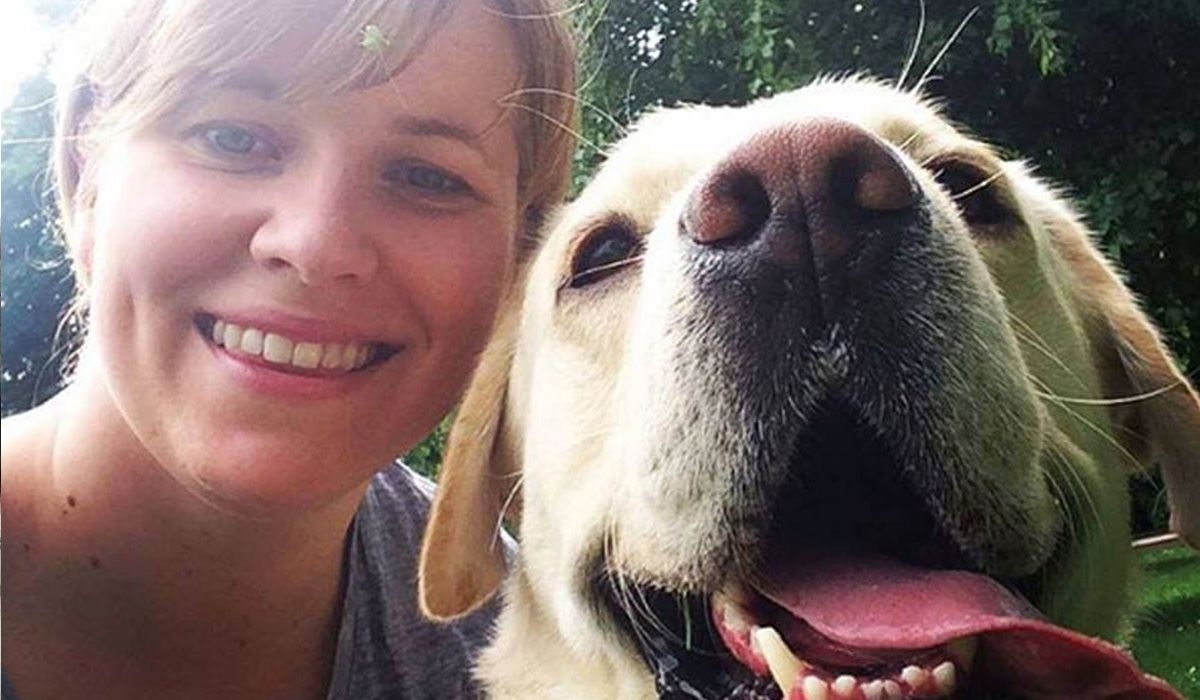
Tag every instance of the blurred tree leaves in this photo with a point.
(1101, 95)
(36, 282)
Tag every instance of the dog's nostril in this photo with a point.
(729, 207)
(871, 181)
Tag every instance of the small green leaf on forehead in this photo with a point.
(373, 39)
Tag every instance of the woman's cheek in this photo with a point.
(467, 263)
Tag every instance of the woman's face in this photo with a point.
(348, 254)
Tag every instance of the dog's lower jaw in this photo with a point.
(530, 658)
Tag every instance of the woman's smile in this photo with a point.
(293, 360)
(293, 353)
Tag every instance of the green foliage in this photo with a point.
(36, 282)
(1167, 640)
(1038, 19)
(1097, 94)
(426, 458)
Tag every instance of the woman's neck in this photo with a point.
(124, 562)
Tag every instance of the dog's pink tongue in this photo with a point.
(873, 602)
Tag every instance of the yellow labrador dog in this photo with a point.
(816, 398)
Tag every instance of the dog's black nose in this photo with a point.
(822, 196)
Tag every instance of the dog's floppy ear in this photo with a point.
(462, 556)
(1157, 411)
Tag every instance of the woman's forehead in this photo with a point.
(466, 58)
(458, 83)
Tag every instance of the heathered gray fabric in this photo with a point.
(386, 650)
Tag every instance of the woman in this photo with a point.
(291, 224)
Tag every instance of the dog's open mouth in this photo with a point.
(858, 595)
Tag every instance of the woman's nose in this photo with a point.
(319, 229)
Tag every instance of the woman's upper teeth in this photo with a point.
(279, 349)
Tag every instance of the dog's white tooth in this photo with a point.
(785, 667)
(892, 690)
(872, 690)
(844, 686)
(814, 688)
(945, 678)
(962, 651)
(218, 332)
(914, 676)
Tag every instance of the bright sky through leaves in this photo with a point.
(24, 41)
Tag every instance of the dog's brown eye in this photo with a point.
(606, 251)
(975, 193)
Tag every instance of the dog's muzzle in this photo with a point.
(860, 591)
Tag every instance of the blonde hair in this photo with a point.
(133, 61)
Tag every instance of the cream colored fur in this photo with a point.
(581, 419)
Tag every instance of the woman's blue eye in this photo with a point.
(231, 139)
(425, 178)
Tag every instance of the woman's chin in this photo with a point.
(274, 483)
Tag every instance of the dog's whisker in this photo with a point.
(1101, 432)
(1046, 351)
(508, 501)
(978, 186)
(908, 141)
(620, 585)
(1043, 390)
(653, 618)
(1118, 401)
(640, 608)
(1062, 501)
(949, 42)
(583, 102)
(656, 622)
(916, 46)
(1082, 495)
(926, 162)
(585, 40)
(556, 122)
(630, 597)
(625, 262)
(998, 404)
(1070, 489)
(561, 12)
(1073, 486)
(1028, 333)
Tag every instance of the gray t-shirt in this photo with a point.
(386, 649)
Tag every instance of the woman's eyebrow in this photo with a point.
(259, 85)
(432, 126)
